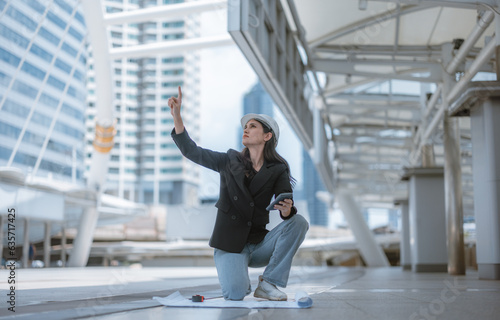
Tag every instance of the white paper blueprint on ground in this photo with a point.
(177, 300)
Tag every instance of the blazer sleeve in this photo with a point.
(282, 185)
(205, 157)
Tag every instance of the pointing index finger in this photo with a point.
(179, 96)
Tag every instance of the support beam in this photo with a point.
(343, 67)
(382, 50)
(453, 173)
(46, 245)
(98, 172)
(172, 11)
(371, 252)
(170, 47)
(63, 245)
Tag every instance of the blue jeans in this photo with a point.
(276, 252)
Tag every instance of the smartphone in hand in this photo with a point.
(281, 197)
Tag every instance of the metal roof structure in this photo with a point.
(381, 59)
(379, 78)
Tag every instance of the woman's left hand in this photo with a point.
(285, 207)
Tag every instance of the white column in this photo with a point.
(427, 219)
(371, 252)
(80, 254)
(98, 35)
(404, 244)
(486, 178)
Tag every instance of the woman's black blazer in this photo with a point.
(239, 207)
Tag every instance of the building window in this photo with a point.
(176, 24)
(41, 53)
(56, 20)
(21, 18)
(33, 71)
(63, 5)
(173, 60)
(172, 1)
(75, 34)
(56, 83)
(116, 35)
(174, 72)
(13, 36)
(113, 170)
(63, 66)
(69, 49)
(9, 57)
(172, 84)
(49, 36)
(174, 36)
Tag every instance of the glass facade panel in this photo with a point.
(21, 18)
(41, 53)
(56, 20)
(13, 36)
(49, 36)
(8, 57)
(32, 70)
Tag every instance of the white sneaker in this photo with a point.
(268, 291)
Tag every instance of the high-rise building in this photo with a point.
(256, 101)
(318, 210)
(145, 165)
(42, 87)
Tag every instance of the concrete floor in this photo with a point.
(338, 293)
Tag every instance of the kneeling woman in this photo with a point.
(248, 181)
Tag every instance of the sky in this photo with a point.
(225, 78)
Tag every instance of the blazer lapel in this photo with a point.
(261, 178)
(238, 172)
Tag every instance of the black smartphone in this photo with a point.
(281, 197)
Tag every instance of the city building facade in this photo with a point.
(145, 165)
(42, 88)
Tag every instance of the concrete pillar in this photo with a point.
(83, 241)
(486, 178)
(63, 245)
(371, 252)
(404, 245)
(46, 245)
(427, 219)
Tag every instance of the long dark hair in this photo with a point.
(270, 155)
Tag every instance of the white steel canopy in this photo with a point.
(381, 62)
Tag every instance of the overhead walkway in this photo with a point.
(337, 293)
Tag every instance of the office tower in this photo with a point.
(145, 165)
(42, 87)
(256, 101)
(318, 210)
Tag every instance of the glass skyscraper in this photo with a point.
(145, 165)
(42, 87)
